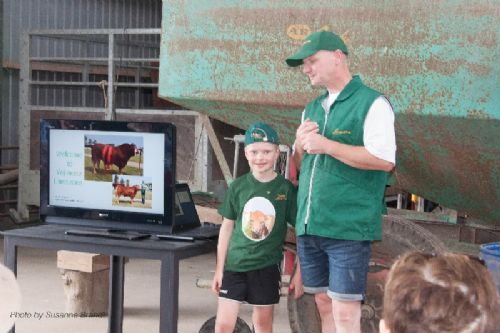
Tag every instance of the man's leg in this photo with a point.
(347, 316)
(262, 318)
(314, 268)
(324, 305)
(227, 313)
(348, 262)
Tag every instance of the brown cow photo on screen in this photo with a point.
(106, 155)
(132, 191)
(125, 192)
(110, 155)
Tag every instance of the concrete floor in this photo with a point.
(42, 291)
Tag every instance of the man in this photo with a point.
(344, 147)
(143, 192)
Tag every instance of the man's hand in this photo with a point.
(315, 143)
(296, 282)
(297, 286)
(306, 128)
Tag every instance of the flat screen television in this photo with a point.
(107, 174)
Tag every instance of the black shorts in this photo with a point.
(259, 287)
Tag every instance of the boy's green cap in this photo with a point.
(261, 132)
(320, 40)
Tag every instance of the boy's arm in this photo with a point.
(296, 279)
(225, 233)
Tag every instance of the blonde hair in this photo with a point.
(448, 293)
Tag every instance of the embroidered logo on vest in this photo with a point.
(341, 132)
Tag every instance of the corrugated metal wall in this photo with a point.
(24, 15)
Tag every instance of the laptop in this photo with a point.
(186, 225)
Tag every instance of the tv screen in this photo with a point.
(111, 174)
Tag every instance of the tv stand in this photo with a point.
(53, 236)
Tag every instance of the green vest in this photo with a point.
(336, 200)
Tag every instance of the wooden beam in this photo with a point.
(219, 154)
(82, 261)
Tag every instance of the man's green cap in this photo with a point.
(261, 132)
(320, 40)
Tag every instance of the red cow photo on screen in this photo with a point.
(132, 191)
(106, 155)
(110, 155)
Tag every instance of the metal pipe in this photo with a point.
(236, 158)
(9, 177)
(110, 115)
(94, 59)
(63, 32)
(93, 83)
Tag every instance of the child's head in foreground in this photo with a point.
(261, 148)
(446, 293)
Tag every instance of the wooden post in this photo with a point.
(86, 281)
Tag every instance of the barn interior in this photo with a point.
(100, 60)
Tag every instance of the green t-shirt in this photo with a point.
(261, 212)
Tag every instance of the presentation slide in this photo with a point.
(121, 171)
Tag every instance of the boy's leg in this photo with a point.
(263, 292)
(227, 313)
(262, 318)
(232, 292)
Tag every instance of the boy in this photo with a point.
(256, 209)
(446, 293)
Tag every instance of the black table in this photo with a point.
(52, 236)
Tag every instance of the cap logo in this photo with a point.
(259, 136)
(260, 132)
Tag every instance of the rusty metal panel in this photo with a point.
(436, 60)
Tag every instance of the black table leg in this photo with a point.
(169, 294)
(116, 281)
(10, 255)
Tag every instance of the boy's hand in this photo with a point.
(217, 282)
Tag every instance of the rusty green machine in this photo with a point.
(438, 61)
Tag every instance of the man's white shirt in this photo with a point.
(378, 130)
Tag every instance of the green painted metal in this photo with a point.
(438, 61)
